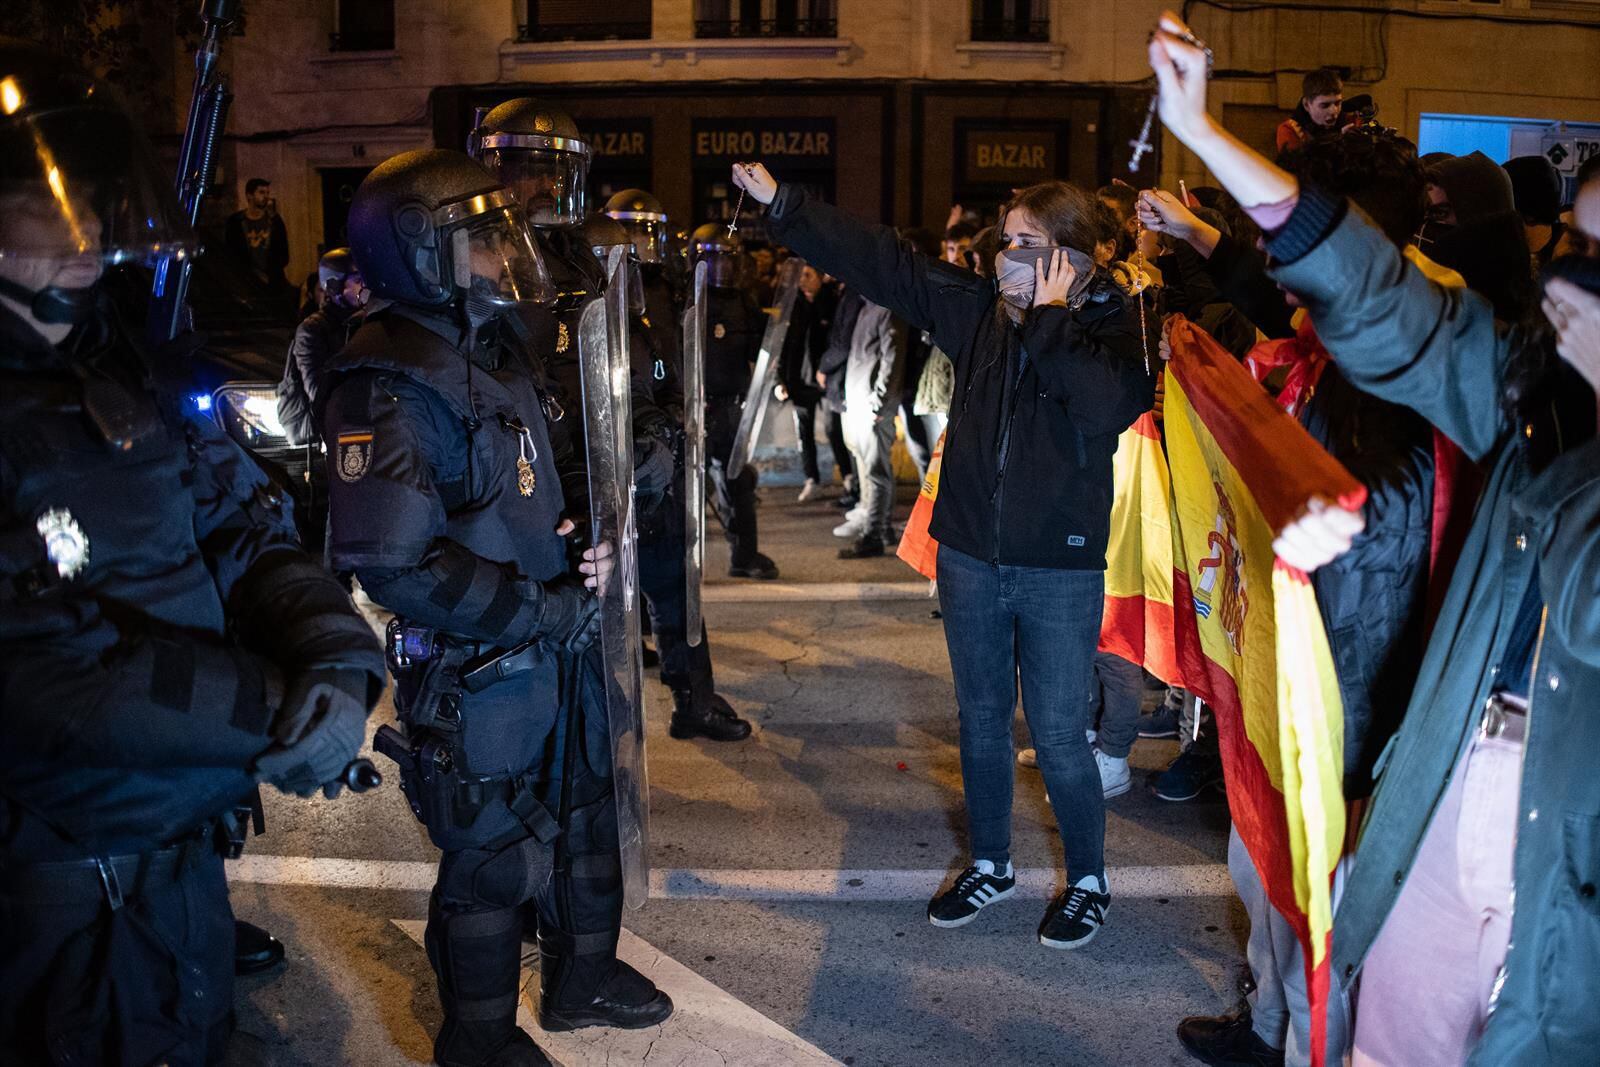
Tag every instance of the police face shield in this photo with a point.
(635, 277)
(649, 238)
(724, 267)
(495, 259)
(78, 192)
(550, 184)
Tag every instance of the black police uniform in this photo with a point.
(138, 692)
(735, 325)
(445, 502)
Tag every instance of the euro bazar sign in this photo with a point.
(794, 140)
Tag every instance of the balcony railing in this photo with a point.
(794, 27)
(587, 31)
(361, 42)
(1003, 29)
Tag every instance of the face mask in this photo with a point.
(1014, 272)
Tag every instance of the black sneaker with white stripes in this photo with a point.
(1075, 916)
(979, 886)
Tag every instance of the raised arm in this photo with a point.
(870, 259)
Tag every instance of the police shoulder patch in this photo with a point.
(353, 454)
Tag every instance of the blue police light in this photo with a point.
(201, 401)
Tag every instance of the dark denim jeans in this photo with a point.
(1040, 624)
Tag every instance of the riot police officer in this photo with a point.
(165, 644)
(446, 505)
(319, 335)
(537, 152)
(646, 223)
(698, 710)
(735, 326)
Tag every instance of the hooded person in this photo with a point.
(1536, 188)
(1473, 227)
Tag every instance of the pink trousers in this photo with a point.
(1428, 983)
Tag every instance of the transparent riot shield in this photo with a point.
(766, 373)
(694, 452)
(603, 341)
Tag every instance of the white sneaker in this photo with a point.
(1028, 758)
(1115, 778)
(851, 529)
(807, 491)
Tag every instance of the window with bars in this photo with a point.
(1010, 20)
(576, 20)
(766, 18)
(362, 26)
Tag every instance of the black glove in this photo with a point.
(319, 729)
(570, 618)
(652, 472)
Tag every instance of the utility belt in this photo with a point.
(434, 669)
(117, 879)
(1505, 717)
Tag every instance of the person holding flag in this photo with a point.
(1470, 911)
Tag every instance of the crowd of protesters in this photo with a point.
(1434, 324)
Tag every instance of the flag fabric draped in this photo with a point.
(1249, 638)
(917, 546)
(1138, 624)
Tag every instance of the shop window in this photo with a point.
(1010, 20)
(362, 26)
(574, 20)
(766, 18)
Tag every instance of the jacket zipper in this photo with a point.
(999, 494)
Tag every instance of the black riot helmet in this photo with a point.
(79, 188)
(723, 254)
(602, 233)
(646, 221)
(537, 152)
(433, 227)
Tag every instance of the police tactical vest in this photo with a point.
(487, 512)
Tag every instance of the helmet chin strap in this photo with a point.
(52, 305)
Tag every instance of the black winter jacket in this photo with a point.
(1038, 406)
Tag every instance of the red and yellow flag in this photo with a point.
(1251, 643)
(1137, 624)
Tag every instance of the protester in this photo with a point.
(1536, 187)
(317, 340)
(1049, 371)
(831, 377)
(1317, 113)
(1371, 599)
(797, 384)
(871, 393)
(1473, 809)
(958, 244)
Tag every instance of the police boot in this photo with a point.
(713, 719)
(254, 950)
(594, 989)
(477, 957)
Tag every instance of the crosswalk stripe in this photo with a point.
(819, 884)
(760, 592)
(705, 1020)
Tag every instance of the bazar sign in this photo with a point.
(618, 138)
(721, 139)
(1009, 155)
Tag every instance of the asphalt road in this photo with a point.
(792, 870)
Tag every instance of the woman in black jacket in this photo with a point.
(1049, 370)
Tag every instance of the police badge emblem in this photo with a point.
(353, 455)
(65, 543)
(719, 331)
(563, 337)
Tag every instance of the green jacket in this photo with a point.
(1399, 336)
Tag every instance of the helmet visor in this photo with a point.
(496, 258)
(649, 239)
(79, 191)
(723, 268)
(550, 185)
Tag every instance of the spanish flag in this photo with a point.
(1138, 620)
(1249, 639)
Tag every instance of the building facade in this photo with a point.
(896, 109)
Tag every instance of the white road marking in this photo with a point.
(706, 1022)
(760, 592)
(815, 885)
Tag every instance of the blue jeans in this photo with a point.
(1042, 624)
